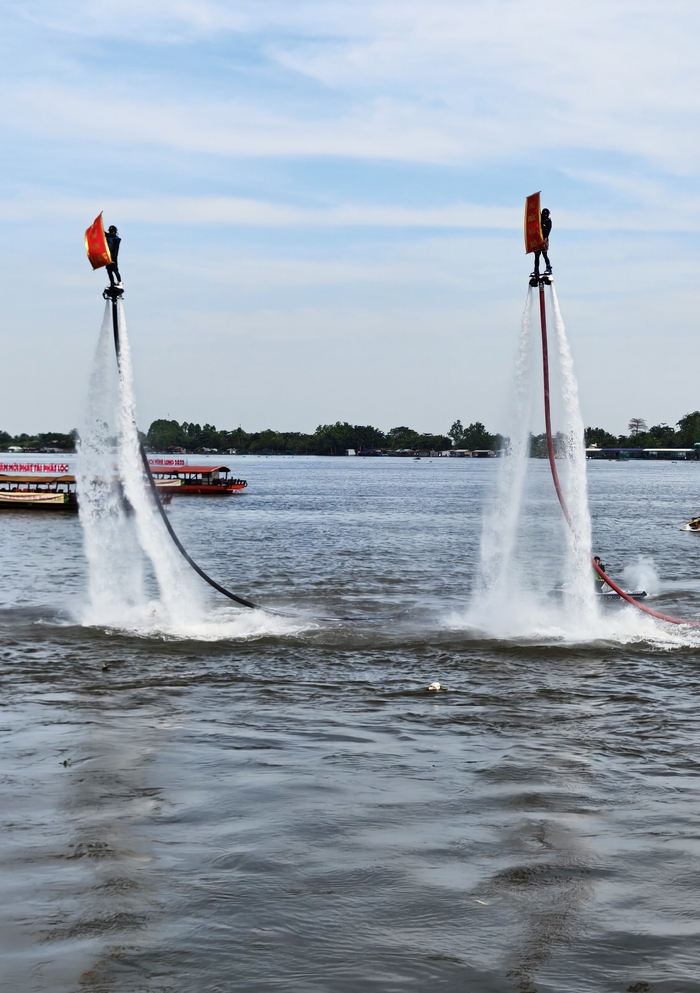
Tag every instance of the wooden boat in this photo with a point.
(196, 480)
(38, 492)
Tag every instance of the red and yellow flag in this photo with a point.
(533, 226)
(96, 245)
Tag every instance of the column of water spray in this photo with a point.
(499, 577)
(179, 592)
(115, 563)
(574, 475)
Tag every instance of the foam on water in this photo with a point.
(532, 621)
(138, 581)
(219, 624)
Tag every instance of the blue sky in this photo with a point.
(321, 204)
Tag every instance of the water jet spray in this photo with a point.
(98, 252)
(534, 241)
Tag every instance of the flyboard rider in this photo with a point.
(546, 225)
(113, 242)
(538, 225)
(102, 249)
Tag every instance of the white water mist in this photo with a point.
(125, 542)
(500, 578)
(535, 575)
(137, 579)
(574, 478)
(115, 563)
(179, 591)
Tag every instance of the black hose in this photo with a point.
(114, 295)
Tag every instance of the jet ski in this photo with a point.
(693, 524)
(610, 596)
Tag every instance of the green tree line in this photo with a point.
(335, 439)
(327, 439)
(684, 435)
(46, 442)
(657, 436)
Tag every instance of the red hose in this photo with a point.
(557, 484)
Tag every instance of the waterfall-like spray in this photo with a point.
(519, 530)
(513, 593)
(115, 562)
(179, 592)
(499, 574)
(120, 525)
(137, 579)
(574, 477)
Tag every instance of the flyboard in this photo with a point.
(538, 242)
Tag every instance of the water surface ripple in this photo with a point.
(259, 809)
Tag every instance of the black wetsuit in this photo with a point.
(546, 224)
(113, 242)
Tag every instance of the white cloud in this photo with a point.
(659, 214)
(257, 213)
(511, 90)
(235, 128)
(444, 81)
(159, 21)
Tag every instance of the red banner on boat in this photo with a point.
(533, 226)
(96, 246)
(52, 467)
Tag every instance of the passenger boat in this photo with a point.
(38, 492)
(197, 480)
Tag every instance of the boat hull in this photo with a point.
(16, 499)
(196, 489)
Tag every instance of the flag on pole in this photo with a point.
(96, 246)
(533, 227)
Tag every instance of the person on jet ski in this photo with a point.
(598, 580)
(546, 225)
(113, 242)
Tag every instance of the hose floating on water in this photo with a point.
(114, 295)
(557, 484)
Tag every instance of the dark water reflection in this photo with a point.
(298, 813)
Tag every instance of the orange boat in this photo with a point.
(197, 480)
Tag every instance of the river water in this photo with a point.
(232, 801)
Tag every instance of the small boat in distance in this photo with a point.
(693, 524)
(32, 492)
(196, 480)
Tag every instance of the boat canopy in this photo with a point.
(37, 479)
(187, 470)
